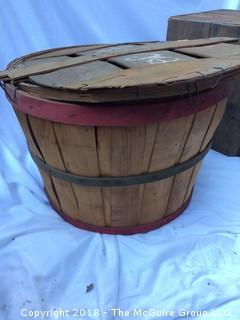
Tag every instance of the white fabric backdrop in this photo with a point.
(45, 263)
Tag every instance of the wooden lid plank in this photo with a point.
(33, 62)
(142, 59)
(63, 78)
(110, 49)
(215, 51)
(164, 74)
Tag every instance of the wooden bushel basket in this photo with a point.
(119, 131)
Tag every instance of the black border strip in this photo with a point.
(120, 181)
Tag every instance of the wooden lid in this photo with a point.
(125, 72)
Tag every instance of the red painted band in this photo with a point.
(123, 230)
(115, 115)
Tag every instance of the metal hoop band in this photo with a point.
(120, 181)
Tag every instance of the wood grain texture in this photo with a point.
(64, 78)
(123, 95)
(221, 16)
(167, 148)
(79, 153)
(142, 59)
(192, 146)
(19, 73)
(46, 138)
(123, 72)
(185, 29)
(222, 23)
(216, 50)
(122, 152)
(160, 74)
(29, 63)
(216, 118)
(33, 145)
(111, 49)
(75, 50)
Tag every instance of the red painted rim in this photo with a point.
(123, 230)
(115, 115)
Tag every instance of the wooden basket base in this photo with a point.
(123, 230)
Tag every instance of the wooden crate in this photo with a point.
(218, 23)
(119, 131)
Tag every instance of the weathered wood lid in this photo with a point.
(125, 72)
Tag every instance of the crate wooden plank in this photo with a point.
(213, 16)
(224, 29)
(179, 29)
(216, 23)
(223, 23)
(227, 137)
